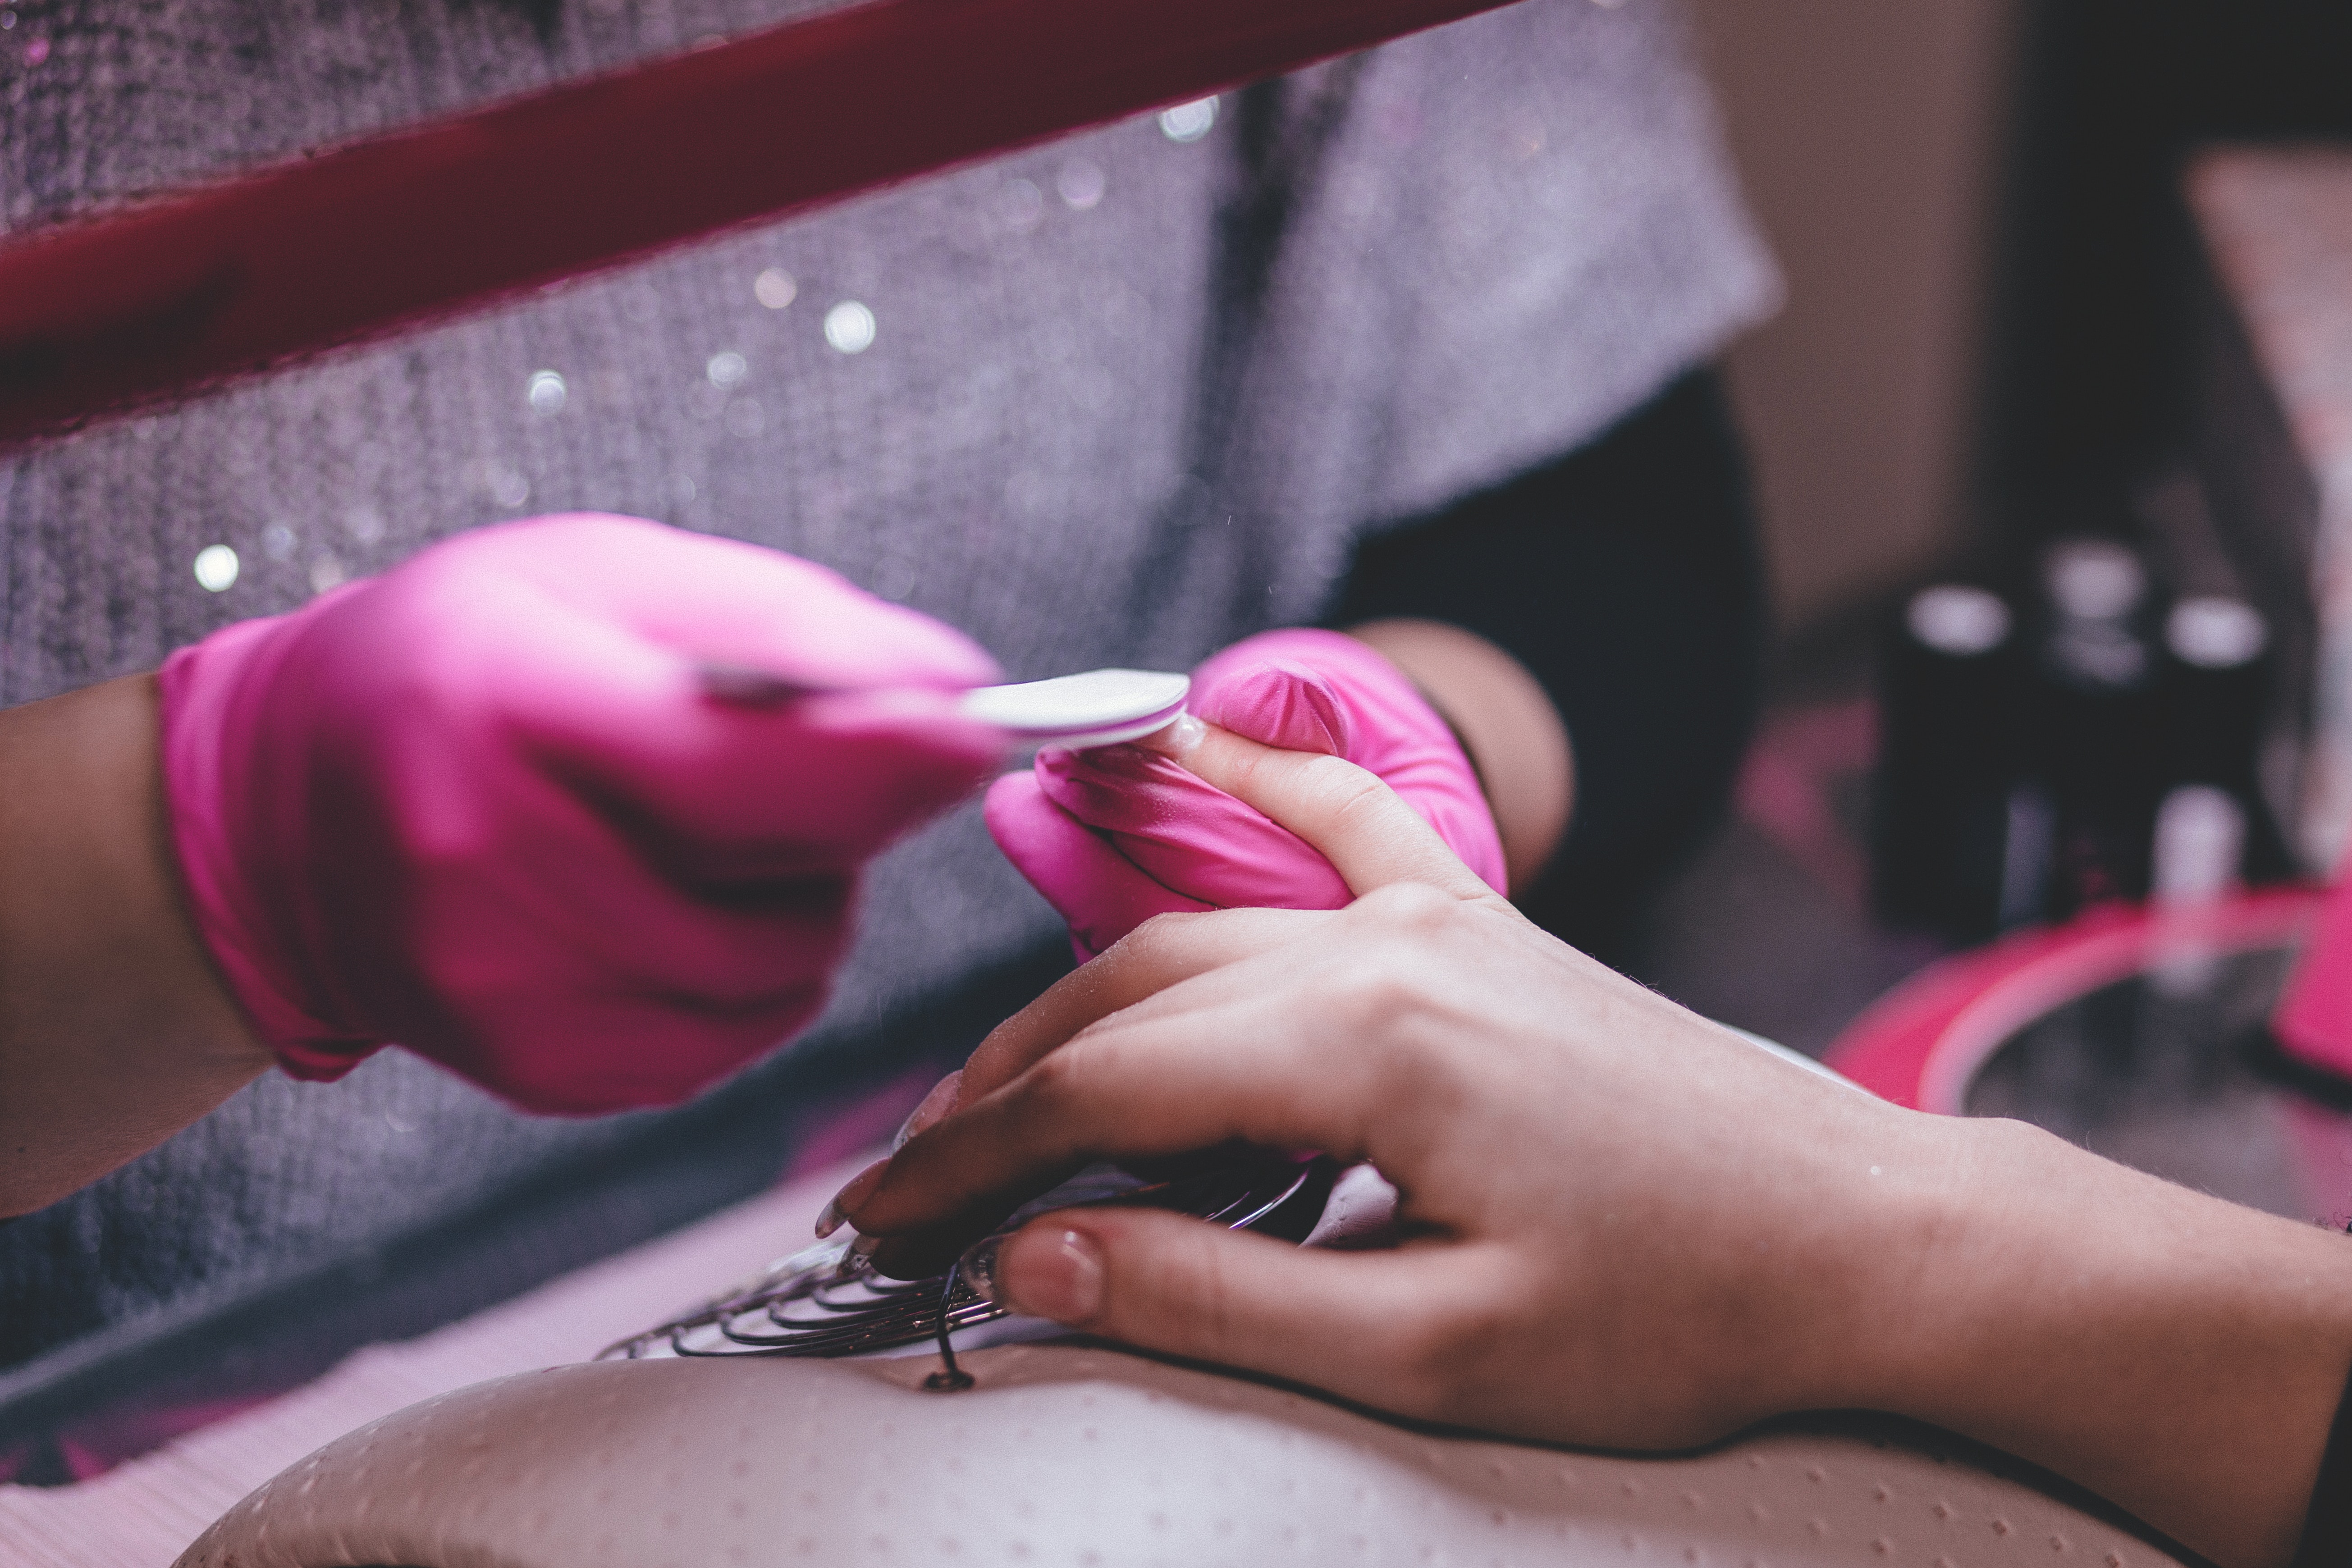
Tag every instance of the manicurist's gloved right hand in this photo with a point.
(484, 806)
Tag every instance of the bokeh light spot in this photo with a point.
(1080, 184)
(775, 289)
(1189, 121)
(849, 327)
(216, 568)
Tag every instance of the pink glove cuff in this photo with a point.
(208, 725)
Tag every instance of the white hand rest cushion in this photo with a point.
(1071, 1456)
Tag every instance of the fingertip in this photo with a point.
(1180, 739)
(762, 608)
(932, 653)
(852, 1196)
(1277, 702)
(865, 643)
(1049, 1269)
(1344, 812)
(1101, 893)
(1043, 841)
(933, 1108)
(1128, 788)
(1014, 809)
(1187, 1287)
(1060, 771)
(893, 713)
(919, 735)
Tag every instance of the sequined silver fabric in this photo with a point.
(1118, 400)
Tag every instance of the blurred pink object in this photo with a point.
(2313, 1020)
(491, 807)
(1115, 836)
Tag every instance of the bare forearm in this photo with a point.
(2178, 1354)
(1506, 722)
(114, 1030)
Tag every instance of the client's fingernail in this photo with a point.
(1056, 1274)
(856, 1191)
(935, 1105)
(1179, 739)
(977, 1269)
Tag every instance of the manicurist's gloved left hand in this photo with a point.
(1115, 836)
(483, 806)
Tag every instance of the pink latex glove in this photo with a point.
(1115, 836)
(482, 807)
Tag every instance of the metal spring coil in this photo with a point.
(828, 1301)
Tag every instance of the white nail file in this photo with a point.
(1098, 708)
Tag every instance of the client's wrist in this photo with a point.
(1884, 1239)
(1941, 1275)
(2179, 1355)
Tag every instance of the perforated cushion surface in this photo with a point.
(1071, 1456)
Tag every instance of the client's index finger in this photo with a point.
(1363, 828)
(1243, 1068)
(1141, 966)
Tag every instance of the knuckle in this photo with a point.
(1346, 789)
(1164, 1284)
(1366, 990)
(1053, 1084)
(1159, 936)
(1197, 1280)
(1412, 908)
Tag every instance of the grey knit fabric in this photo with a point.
(1127, 398)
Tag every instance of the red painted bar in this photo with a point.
(172, 295)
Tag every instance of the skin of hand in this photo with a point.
(115, 1031)
(1627, 1227)
(1504, 722)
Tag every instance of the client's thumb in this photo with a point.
(1187, 1287)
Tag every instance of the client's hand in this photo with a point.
(1115, 836)
(1629, 1227)
(483, 806)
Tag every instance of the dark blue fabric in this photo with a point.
(1626, 578)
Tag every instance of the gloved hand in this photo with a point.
(1115, 836)
(483, 806)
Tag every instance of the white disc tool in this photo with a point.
(1098, 708)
